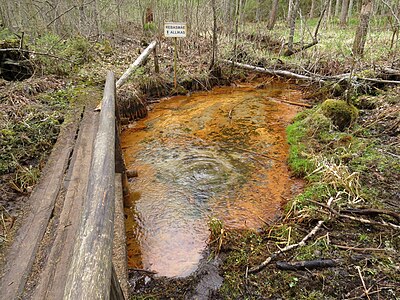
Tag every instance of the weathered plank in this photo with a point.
(90, 274)
(51, 283)
(23, 251)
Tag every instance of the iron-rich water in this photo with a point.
(212, 154)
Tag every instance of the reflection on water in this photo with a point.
(221, 153)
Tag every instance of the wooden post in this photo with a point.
(156, 65)
(90, 274)
(175, 59)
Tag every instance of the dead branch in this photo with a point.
(359, 249)
(315, 77)
(361, 220)
(307, 264)
(363, 282)
(372, 212)
(273, 72)
(290, 247)
(36, 53)
(292, 103)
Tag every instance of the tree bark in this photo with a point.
(273, 14)
(312, 8)
(337, 8)
(214, 58)
(362, 30)
(289, 11)
(292, 25)
(344, 12)
(351, 3)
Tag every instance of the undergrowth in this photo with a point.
(356, 168)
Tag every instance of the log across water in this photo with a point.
(222, 154)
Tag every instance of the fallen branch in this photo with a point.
(36, 53)
(290, 247)
(358, 249)
(308, 264)
(315, 78)
(291, 102)
(363, 282)
(372, 212)
(361, 220)
(272, 72)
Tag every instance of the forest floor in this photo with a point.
(352, 174)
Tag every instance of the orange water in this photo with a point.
(222, 154)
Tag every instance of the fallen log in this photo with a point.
(136, 64)
(314, 77)
(306, 265)
(274, 72)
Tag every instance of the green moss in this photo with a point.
(298, 161)
(340, 112)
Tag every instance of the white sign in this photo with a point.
(175, 29)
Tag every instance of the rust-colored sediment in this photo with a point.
(221, 153)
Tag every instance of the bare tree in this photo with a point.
(362, 29)
(273, 14)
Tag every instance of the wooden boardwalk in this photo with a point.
(40, 258)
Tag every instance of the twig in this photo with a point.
(291, 102)
(359, 249)
(366, 221)
(290, 247)
(141, 270)
(372, 211)
(363, 283)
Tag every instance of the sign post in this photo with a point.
(175, 30)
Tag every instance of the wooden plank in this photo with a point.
(90, 274)
(52, 280)
(22, 253)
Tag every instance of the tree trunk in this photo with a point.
(362, 30)
(289, 12)
(337, 8)
(329, 14)
(273, 14)
(344, 13)
(350, 8)
(214, 40)
(311, 15)
(292, 27)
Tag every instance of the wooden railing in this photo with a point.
(91, 275)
